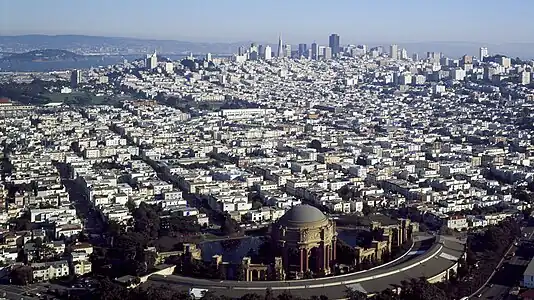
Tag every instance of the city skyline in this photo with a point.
(354, 21)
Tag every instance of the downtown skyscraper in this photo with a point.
(314, 51)
(280, 50)
(394, 51)
(333, 43)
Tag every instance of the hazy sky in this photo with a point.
(489, 21)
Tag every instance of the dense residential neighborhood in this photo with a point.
(184, 152)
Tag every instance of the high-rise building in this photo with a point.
(525, 77)
(483, 53)
(314, 51)
(394, 51)
(415, 57)
(333, 43)
(208, 57)
(151, 61)
(268, 53)
(505, 61)
(280, 50)
(303, 50)
(261, 51)
(327, 53)
(253, 53)
(169, 67)
(403, 54)
(75, 78)
(287, 50)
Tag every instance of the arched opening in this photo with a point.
(293, 256)
(313, 260)
(255, 274)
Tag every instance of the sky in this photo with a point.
(392, 21)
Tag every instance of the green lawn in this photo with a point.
(80, 98)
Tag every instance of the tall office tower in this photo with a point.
(253, 52)
(280, 50)
(483, 53)
(261, 51)
(75, 78)
(253, 55)
(314, 51)
(303, 50)
(380, 50)
(253, 47)
(333, 43)
(403, 54)
(394, 51)
(287, 50)
(208, 57)
(151, 61)
(240, 51)
(268, 53)
(415, 57)
(327, 53)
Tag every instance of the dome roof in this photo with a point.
(302, 215)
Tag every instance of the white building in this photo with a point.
(483, 53)
(151, 61)
(50, 270)
(268, 53)
(394, 51)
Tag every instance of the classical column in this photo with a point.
(306, 259)
(301, 260)
(334, 250)
(285, 257)
(319, 256)
(325, 257)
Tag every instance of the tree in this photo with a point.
(366, 210)
(269, 294)
(131, 206)
(251, 296)
(316, 144)
(345, 253)
(230, 226)
(82, 237)
(113, 228)
(21, 275)
(353, 294)
(146, 220)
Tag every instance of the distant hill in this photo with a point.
(44, 55)
(83, 44)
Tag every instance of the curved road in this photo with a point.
(426, 258)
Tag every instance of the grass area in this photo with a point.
(81, 98)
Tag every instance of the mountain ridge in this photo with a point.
(132, 45)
